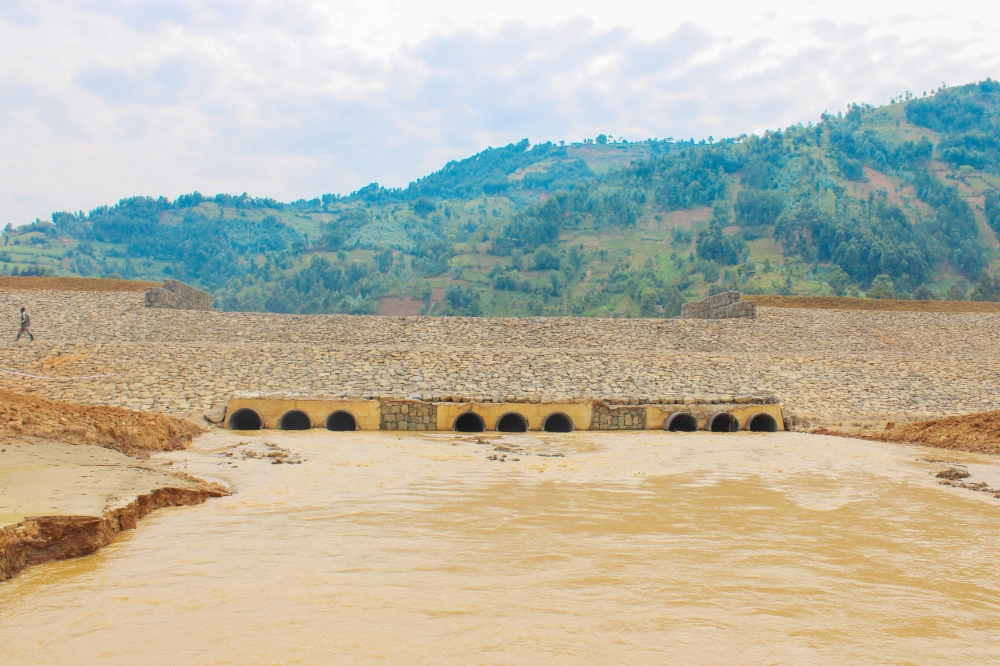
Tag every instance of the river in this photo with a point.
(592, 547)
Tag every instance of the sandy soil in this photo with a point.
(129, 432)
(843, 303)
(976, 433)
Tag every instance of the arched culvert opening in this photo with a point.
(512, 423)
(557, 423)
(681, 422)
(295, 420)
(469, 422)
(762, 423)
(723, 422)
(245, 419)
(341, 421)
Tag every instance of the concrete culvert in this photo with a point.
(723, 423)
(762, 423)
(470, 422)
(295, 420)
(245, 419)
(681, 422)
(557, 423)
(512, 423)
(341, 421)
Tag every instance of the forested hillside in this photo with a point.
(899, 201)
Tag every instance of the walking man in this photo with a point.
(25, 326)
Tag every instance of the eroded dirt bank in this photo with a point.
(975, 433)
(46, 538)
(133, 433)
(73, 476)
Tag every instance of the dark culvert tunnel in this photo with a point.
(341, 421)
(557, 423)
(763, 423)
(724, 423)
(682, 423)
(295, 420)
(512, 423)
(245, 419)
(470, 422)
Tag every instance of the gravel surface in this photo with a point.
(825, 366)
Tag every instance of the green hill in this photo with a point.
(895, 200)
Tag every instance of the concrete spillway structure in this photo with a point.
(250, 412)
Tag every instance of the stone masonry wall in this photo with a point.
(826, 366)
(607, 417)
(176, 295)
(726, 305)
(408, 415)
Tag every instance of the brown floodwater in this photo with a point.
(626, 548)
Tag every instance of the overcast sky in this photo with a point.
(103, 99)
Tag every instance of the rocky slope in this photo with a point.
(826, 366)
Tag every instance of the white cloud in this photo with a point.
(105, 99)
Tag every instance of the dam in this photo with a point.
(502, 491)
(807, 367)
(255, 412)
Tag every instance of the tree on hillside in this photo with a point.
(838, 280)
(535, 226)
(987, 289)
(423, 207)
(384, 260)
(957, 291)
(545, 260)
(715, 245)
(992, 210)
(882, 287)
(758, 208)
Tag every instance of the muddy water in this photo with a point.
(629, 548)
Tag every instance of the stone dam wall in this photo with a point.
(726, 305)
(823, 366)
(176, 295)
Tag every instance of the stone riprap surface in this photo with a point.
(824, 366)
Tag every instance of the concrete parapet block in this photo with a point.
(726, 305)
(175, 295)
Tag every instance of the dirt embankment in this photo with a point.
(92, 494)
(887, 305)
(136, 434)
(45, 538)
(73, 284)
(976, 433)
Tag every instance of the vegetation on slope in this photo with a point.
(898, 201)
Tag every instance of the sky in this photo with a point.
(105, 99)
